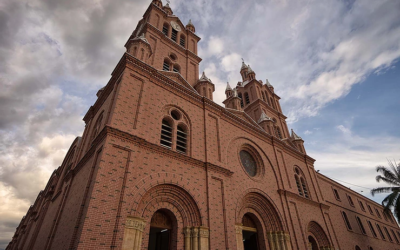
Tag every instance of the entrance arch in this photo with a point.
(166, 213)
(265, 216)
(312, 243)
(317, 236)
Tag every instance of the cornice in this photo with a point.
(288, 193)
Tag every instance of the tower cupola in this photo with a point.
(298, 142)
(205, 87)
(244, 71)
(168, 9)
(251, 74)
(139, 47)
(190, 26)
(158, 3)
(228, 90)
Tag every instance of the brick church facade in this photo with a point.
(161, 166)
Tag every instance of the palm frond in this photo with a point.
(388, 176)
(389, 202)
(380, 190)
(396, 210)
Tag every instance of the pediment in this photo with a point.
(243, 116)
(176, 77)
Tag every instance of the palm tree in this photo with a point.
(390, 176)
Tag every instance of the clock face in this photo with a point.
(175, 26)
(248, 163)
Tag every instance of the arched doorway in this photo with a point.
(250, 233)
(162, 228)
(312, 243)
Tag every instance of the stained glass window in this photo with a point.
(248, 163)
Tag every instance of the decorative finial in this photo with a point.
(242, 60)
(168, 1)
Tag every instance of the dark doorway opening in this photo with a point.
(250, 240)
(159, 238)
(313, 243)
(160, 231)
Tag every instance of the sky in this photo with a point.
(334, 63)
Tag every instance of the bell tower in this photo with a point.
(259, 101)
(162, 41)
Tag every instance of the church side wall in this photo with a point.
(348, 237)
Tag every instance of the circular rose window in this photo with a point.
(248, 163)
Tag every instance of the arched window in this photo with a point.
(394, 235)
(301, 183)
(182, 41)
(176, 68)
(272, 103)
(372, 229)
(387, 233)
(181, 139)
(134, 51)
(166, 65)
(174, 132)
(166, 133)
(174, 35)
(97, 127)
(246, 98)
(241, 99)
(346, 220)
(278, 132)
(165, 29)
(380, 232)
(361, 225)
(377, 213)
(142, 54)
(358, 248)
(370, 248)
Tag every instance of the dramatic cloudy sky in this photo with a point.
(333, 62)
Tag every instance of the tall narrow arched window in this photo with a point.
(176, 68)
(372, 229)
(175, 132)
(142, 55)
(395, 237)
(134, 51)
(165, 29)
(272, 103)
(246, 98)
(299, 188)
(174, 35)
(182, 41)
(380, 231)
(346, 220)
(387, 233)
(278, 132)
(97, 127)
(358, 248)
(361, 225)
(166, 134)
(241, 100)
(166, 65)
(181, 139)
(301, 183)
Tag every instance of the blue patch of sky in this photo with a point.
(370, 109)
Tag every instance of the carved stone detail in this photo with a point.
(279, 240)
(133, 233)
(135, 223)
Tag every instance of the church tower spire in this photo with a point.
(165, 43)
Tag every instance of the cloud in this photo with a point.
(58, 53)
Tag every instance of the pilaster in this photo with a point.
(279, 240)
(239, 236)
(133, 233)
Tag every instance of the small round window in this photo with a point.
(175, 114)
(248, 163)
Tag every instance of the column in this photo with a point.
(133, 233)
(239, 237)
(204, 234)
(279, 240)
(188, 236)
(195, 238)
